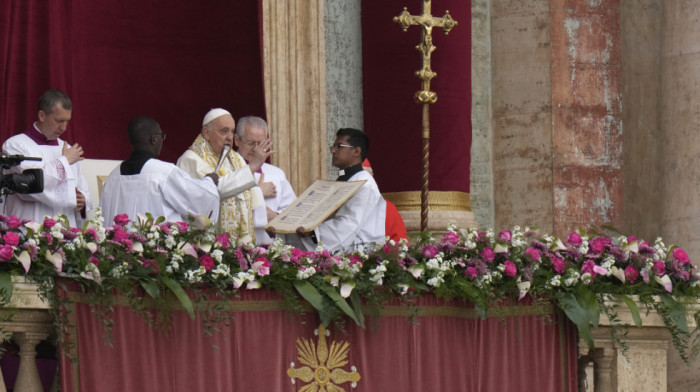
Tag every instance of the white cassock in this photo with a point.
(162, 189)
(60, 181)
(357, 223)
(285, 197)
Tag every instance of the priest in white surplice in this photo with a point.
(272, 185)
(65, 189)
(143, 183)
(236, 179)
(360, 221)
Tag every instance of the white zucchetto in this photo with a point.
(213, 115)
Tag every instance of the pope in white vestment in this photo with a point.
(162, 189)
(61, 179)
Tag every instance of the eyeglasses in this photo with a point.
(250, 144)
(335, 147)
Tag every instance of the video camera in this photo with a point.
(29, 181)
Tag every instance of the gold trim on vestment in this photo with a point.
(437, 200)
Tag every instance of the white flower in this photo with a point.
(170, 242)
(555, 281)
(436, 281)
(217, 255)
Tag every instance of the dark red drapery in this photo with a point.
(393, 119)
(448, 348)
(172, 60)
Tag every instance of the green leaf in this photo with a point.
(341, 303)
(634, 310)
(676, 312)
(357, 307)
(151, 288)
(180, 294)
(587, 299)
(578, 316)
(310, 294)
(6, 286)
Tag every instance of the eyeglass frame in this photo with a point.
(336, 147)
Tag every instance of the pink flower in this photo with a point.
(631, 238)
(505, 235)
(510, 270)
(354, 259)
(242, 261)
(598, 244)
(94, 260)
(451, 238)
(488, 255)
(207, 262)
(471, 272)
(165, 227)
(574, 239)
(13, 222)
(262, 266)
(182, 225)
(680, 256)
(152, 264)
(557, 264)
(659, 267)
(122, 219)
(48, 237)
(631, 274)
(223, 240)
(532, 254)
(6, 252)
(11, 238)
(120, 236)
(589, 267)
(92, 233)
(429, 251)
(49, 223)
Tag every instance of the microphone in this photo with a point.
(224, 153)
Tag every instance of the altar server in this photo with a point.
(65, 189)
(272, 185)
(360, 221)
(236, 179)
(143, 183)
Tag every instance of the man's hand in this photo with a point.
(269, 189)
(79, 198)
(214, 177)
(271, 214)
(259, 154)
(301, 232)
(271, 232)
(73, 154)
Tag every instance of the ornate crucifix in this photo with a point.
(425, 96)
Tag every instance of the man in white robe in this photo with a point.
(236, 179)
(143, 183)
(360, 221)
(272, 183)
(65, 189)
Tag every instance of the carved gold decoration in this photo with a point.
(322, 371)
(424, 96)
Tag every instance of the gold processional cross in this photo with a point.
(425, 96)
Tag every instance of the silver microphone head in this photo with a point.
(224, 153)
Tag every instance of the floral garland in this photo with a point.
(577, 274)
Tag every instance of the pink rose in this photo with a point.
(488, 255)
(120, 235)
(471, 272)
(532, 254)
(510, 270)
(122, 219)
(680, 256)
(574, 239)
(598, 244)
(354, 259)
(207, 262)
(557, 264)
(631, 274)
(631, 238)
(505, 235)
(13, 222)
(659, 268)
(223, 240)
(589, 267)
(262, 266)
(451, 238)
(6, 252)
(11, 238)
(94, 260)
(429, 251)
(182, 225)
(49, 223)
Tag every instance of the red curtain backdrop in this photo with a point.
(172, 60)
(443, 350)
(393, 119)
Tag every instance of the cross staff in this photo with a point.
(425, 96)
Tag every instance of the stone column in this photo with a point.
(294, 70)
(587, 166)
(28, 374)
